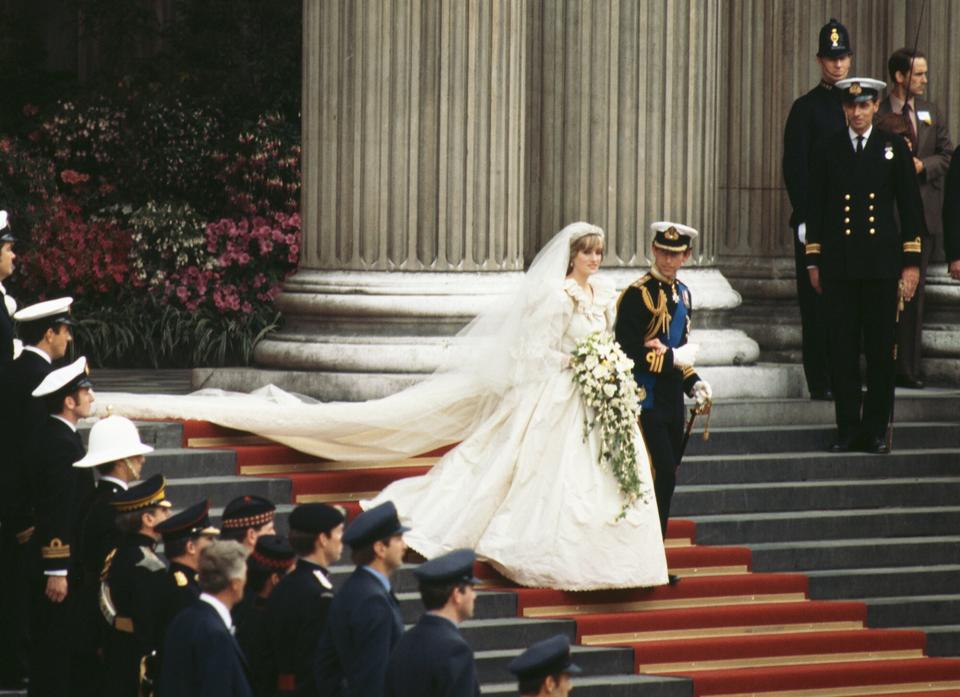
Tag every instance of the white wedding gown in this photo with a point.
(523, 488)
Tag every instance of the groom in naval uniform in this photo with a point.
(653, 324)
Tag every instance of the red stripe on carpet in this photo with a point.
(677, 527)
(701, 556)
(823, 676)
(792, 644)
(735, 584)
(721, 616)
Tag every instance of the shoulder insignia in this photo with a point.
(642, 280)
(55, 550)
(660, 319)
(150, 560)
(180, 579)
(106, 564)
(324, 581)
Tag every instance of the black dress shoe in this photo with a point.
(673, 579)
(876, 446)
(821, 395)
(843, 445)
(912, 383)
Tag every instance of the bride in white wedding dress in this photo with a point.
(524, 487)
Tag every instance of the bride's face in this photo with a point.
(587, 262)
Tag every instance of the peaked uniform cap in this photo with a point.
(6, 234)
(860, 89)
(452, 567)
(147, 494)
(191, 522)
(672, 237)
(66, 380)
(547, 657)
(112, 439)
(378, 523)
(56, 310)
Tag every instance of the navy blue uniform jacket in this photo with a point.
(432, 660)
(363, 627)
(201, 658)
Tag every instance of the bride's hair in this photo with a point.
(589, 242)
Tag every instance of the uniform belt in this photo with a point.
(123, 624)
(286, 682)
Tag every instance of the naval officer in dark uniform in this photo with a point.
(860, 178)
(652, 327)
(184, 537)
(814, 116)
(364, 623)
(59, 492)
(8, 306)
(433, 659)
(297, 609)
(135, 591)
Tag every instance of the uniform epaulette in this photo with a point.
(150, 561)
(180, 579)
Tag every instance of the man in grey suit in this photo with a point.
(931, 147)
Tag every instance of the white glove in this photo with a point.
(685, 355)
(802, 233)
(702, 392)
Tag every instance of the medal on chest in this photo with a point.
(888, 152)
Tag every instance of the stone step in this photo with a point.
(595, 661)
(185, 491)
(743, 528)
(489, 605)
(854, 553)
(943, 640)
(749, 440)
(159, 434)
(833, 584)
(811, 466)
(909, 611)
(181, 462)
(612, 686)
(514, 632)
(819, 495)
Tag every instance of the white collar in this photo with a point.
(73, 427)
(113, 480)
(40, 352)
(221, 609)
(3, 290)
(854, 135)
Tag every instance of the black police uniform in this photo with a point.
(854, 240)
(59, 493)
(99, 535)
(140, 590)
(951, 209)
(655, 308)
(20, 416)
(295, 616)
(201, 658)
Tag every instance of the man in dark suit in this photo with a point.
(931, 156)
(433, 659)
(8, 306)
(951, 216)
(364, 622)
(45, 330)
(200, 656)
(184, 537)
(857, 254)
(116, 453)
(59, 492)
(814, 116)
(544, 669)
(135, 592)
(297, 609)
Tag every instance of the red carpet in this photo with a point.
(734, 633)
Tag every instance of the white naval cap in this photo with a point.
(66, 379)
(860, 89)
(3, 220)
(57, 308)
(6, 234)
(672, 237)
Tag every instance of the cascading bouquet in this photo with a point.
(605, 376)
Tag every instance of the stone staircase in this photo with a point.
(805, 573)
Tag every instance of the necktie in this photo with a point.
(859, 144)
(913, 129)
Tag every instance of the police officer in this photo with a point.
(271, 560)
(184, 537)
(433, 659)
(116, 453)
(544, 669)
(247, 517)
(45, 329)
(364, 622)
(8, 306)
(135, 591)
(951, 216)
(59, 492)
(856, 255)
(653, 325)
(297, 609)
(813, 116)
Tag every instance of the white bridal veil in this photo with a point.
(512, 342)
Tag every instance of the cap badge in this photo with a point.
(671, 234)
(834, 38)
(855, 88)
